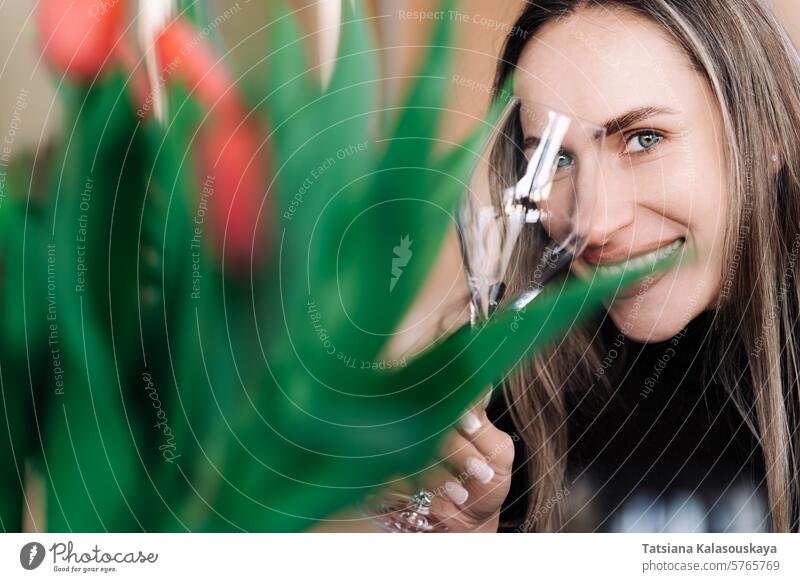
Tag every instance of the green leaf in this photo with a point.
(92, 425)
(289, 83)
(422, 112)
(418, 205)
(470, 360)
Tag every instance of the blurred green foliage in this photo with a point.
(155, 390)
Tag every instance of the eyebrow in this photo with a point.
(621, 122)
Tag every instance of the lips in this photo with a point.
(600, 256)
(606, 264)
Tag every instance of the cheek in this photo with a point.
(693, 189)
(707, 222)
(697, 197)
(697, 204)
(700, 173)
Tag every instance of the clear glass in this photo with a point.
(522, 223)
(527, 215)
(397, 511)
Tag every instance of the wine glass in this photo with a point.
(544, 174)
(522, 224)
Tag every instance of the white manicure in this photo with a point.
(470, 422)
(487, 399)
(456, 492)
(480, 470)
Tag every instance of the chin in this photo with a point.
(661, 312)
(646, 330)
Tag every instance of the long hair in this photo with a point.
(753, 70)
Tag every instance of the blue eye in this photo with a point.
(564, 160)
(642, 141)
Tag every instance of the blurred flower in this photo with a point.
(80, 37)
(229, 156)
(84, 38)
(229, 140)
(182, 53)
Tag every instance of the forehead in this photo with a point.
(597, 63)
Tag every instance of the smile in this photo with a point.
(645, 261)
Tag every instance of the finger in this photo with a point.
(433, 478)
(470, 420)
(478, 406)
(494, 444)
(468, 464)
(464, 484)
(446, 479)
(487, 397)
(483, 402)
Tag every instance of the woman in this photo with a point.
(683, 398)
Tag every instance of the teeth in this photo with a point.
(642, 262)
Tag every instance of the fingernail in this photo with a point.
(487, 399)
(470, 422)
(456, 492)
(480, 470)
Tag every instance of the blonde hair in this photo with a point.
(754, 72)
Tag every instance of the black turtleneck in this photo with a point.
(663, 449)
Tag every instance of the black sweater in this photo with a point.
(664, 450)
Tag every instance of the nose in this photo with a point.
(604, 208)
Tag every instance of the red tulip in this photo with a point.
(229, 156)
(83, 37)
(183, 53)
(80, 37)
(229, 143)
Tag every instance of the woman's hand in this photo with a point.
(469, 483)
(474, 476)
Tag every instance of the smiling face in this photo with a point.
(660, 181)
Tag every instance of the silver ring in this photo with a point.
(422, 500)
